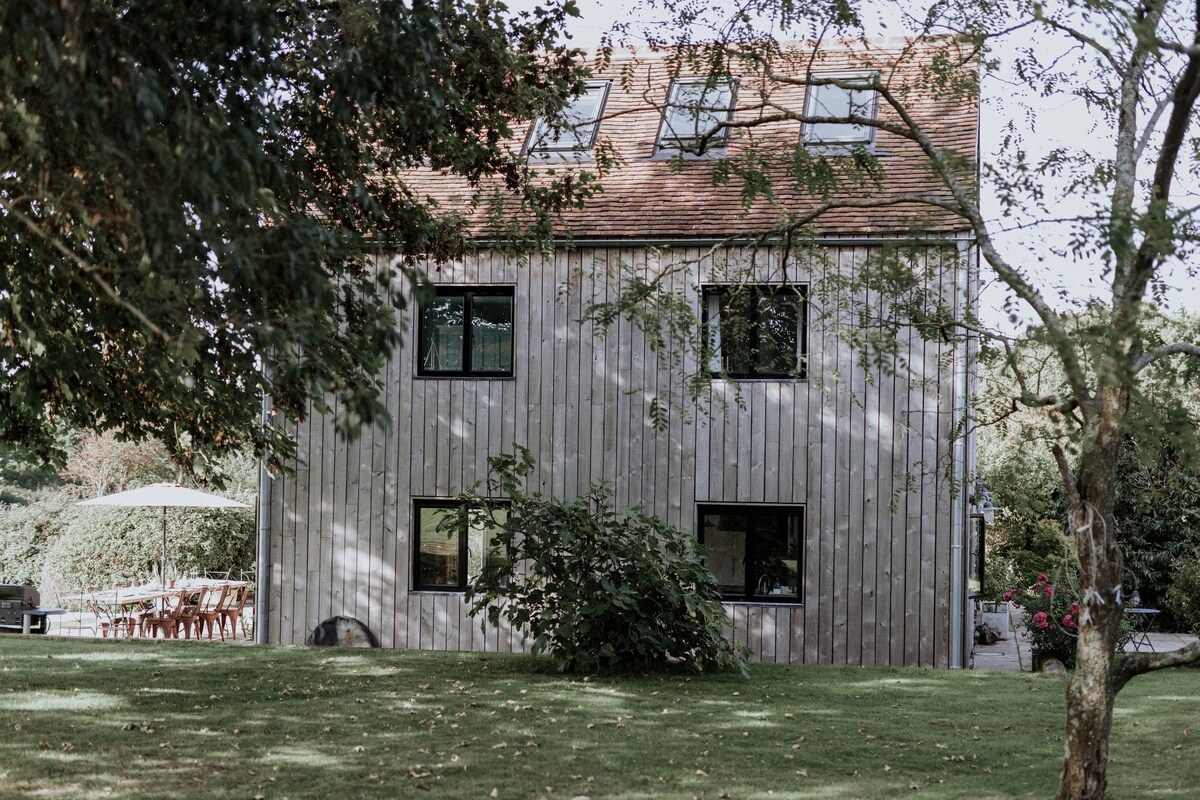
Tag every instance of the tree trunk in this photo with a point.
(1090, 698)
(1092, 690)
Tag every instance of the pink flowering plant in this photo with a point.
(1051, 620)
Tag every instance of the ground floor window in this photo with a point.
(755, 552)
(448, 557)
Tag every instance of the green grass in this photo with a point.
(137, 719)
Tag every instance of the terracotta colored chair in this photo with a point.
(210, 612)
(167, 620)
(233, 611)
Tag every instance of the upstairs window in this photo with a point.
(830, 100)
(450, 557)
(755, 331)
(574, 130)
(695, 108)
(755, 552)
(466, 332)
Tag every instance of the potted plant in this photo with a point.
(995, 616)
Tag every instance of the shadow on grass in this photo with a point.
(134, 719)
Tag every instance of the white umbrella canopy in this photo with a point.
(164, 496)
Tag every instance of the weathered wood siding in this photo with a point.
(850, 446)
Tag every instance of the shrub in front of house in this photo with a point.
(595, 588)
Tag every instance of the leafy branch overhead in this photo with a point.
(194, 199)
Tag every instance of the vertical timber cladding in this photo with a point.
(859, 450)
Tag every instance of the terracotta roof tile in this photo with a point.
(644, 197)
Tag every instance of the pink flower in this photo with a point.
(1049, 590)
(1042, 578)
(1069, 621)
(1016, 605)
(1041, 620)
(1009, 595)
(1074, 609)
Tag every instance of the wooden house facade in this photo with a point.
(826, 491)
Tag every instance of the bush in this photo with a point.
(1052, 620)
(26, 532)
(1183, 595)
(99, 546)
(1019, 549)
(595, 588)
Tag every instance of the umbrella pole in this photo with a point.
(163, 573)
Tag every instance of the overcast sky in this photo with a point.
(1059, 120)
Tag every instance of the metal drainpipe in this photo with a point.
(263, 583)
(958, 612)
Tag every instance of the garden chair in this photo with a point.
(233, 611)
(210, 611)
(167, 620)
(189, 617)
(104, 620)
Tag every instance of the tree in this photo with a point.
(193, 197)
(1135, 68)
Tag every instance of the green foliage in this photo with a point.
(97, 547)
(1052, 618)
(595, 588)
(21, 478)
(1158, 513)
(1019, 549)
(53, 543)
(194, 195)
(26, 532)
(1182, 598)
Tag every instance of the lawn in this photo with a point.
(138, 719)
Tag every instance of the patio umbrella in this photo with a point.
(164, 495)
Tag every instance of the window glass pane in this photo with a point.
(776, 548)
(694, 110)
(437, 563)
(442, 334)
(712, 312)
(725, 541)
(737, 322)
(834, 101)
(480, 545)
(575, 128)
(778, 332)
(491, 334)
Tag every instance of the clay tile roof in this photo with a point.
(648, 197)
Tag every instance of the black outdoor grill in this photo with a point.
(14, 599)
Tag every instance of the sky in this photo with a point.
(1047, 122)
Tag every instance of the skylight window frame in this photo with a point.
(839, 144)
(533, 149)
(717, 145)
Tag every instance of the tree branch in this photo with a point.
(86, 268)
(1068, 477)
(1134, 664)
(968, 209)
(1078, 36)
(1178, 348)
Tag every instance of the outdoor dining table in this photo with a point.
(129, 597)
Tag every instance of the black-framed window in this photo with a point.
(448, 557)
(756, 331)
(831, 100)
(466, 332)
(574, 130)
(755, 552)
(696, 107)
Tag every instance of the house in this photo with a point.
(826, 493)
